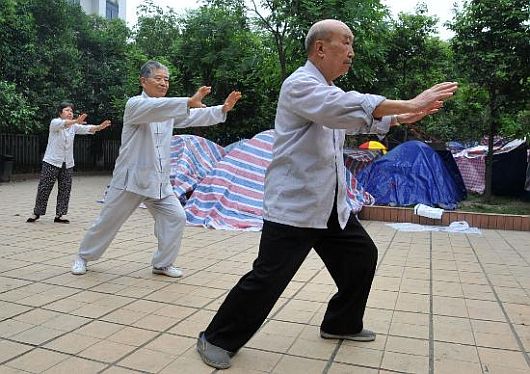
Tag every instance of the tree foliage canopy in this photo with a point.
(47, 55)
(493, 51)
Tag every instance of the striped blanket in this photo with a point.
(192, 159)
(230, 197)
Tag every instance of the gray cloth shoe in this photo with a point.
(212, 355)
(363, 336)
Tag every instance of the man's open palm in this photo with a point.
(231, 100)
(196, 100)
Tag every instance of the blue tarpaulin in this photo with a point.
(410, 174)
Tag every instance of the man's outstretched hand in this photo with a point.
(231, 100)
(414, 117)
(196, 100)
(433, 97)
(427, 102)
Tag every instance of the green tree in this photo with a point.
(49, 55)
(157, 32)
(17, 54)
(17, 42)
(287, 23)
(38, 51)
(134, 59)
(464, 117)
(55, 74)
(491, 47)
(219, 49)
(157, 36)
(280, 23)
(16, 114)
(104, 65)
(416, 59)
(368, 20)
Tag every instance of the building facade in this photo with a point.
(109, 9)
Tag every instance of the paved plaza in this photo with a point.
(440, 303)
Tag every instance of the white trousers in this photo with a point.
(170, 220)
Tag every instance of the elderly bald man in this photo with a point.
(305, 204)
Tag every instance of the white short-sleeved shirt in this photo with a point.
(60, 148)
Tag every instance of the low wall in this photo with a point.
(480, 220)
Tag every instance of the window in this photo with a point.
(112, 10)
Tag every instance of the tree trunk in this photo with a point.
(489, 155)
(282, 58)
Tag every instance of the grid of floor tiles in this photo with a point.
(440, 303)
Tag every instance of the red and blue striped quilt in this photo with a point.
(230, 196)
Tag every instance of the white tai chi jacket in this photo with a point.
(307, 165)
(143, 164)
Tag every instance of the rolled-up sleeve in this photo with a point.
(381, 127)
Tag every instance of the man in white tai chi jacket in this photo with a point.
(141, 173)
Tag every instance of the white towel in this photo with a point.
(428, 211)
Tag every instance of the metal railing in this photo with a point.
(24, 149)
(90, 152)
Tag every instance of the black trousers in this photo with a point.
(48, 175)
(350, 256)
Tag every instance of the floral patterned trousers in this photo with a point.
(48, 175)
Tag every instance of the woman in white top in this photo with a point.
(58, 161)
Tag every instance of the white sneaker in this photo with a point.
(79, 266)
(169, 271)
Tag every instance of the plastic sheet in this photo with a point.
(412, 173)
(455, 227)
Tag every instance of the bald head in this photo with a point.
(329, 46)
(323, 30)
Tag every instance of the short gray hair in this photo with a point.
(147, 69)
